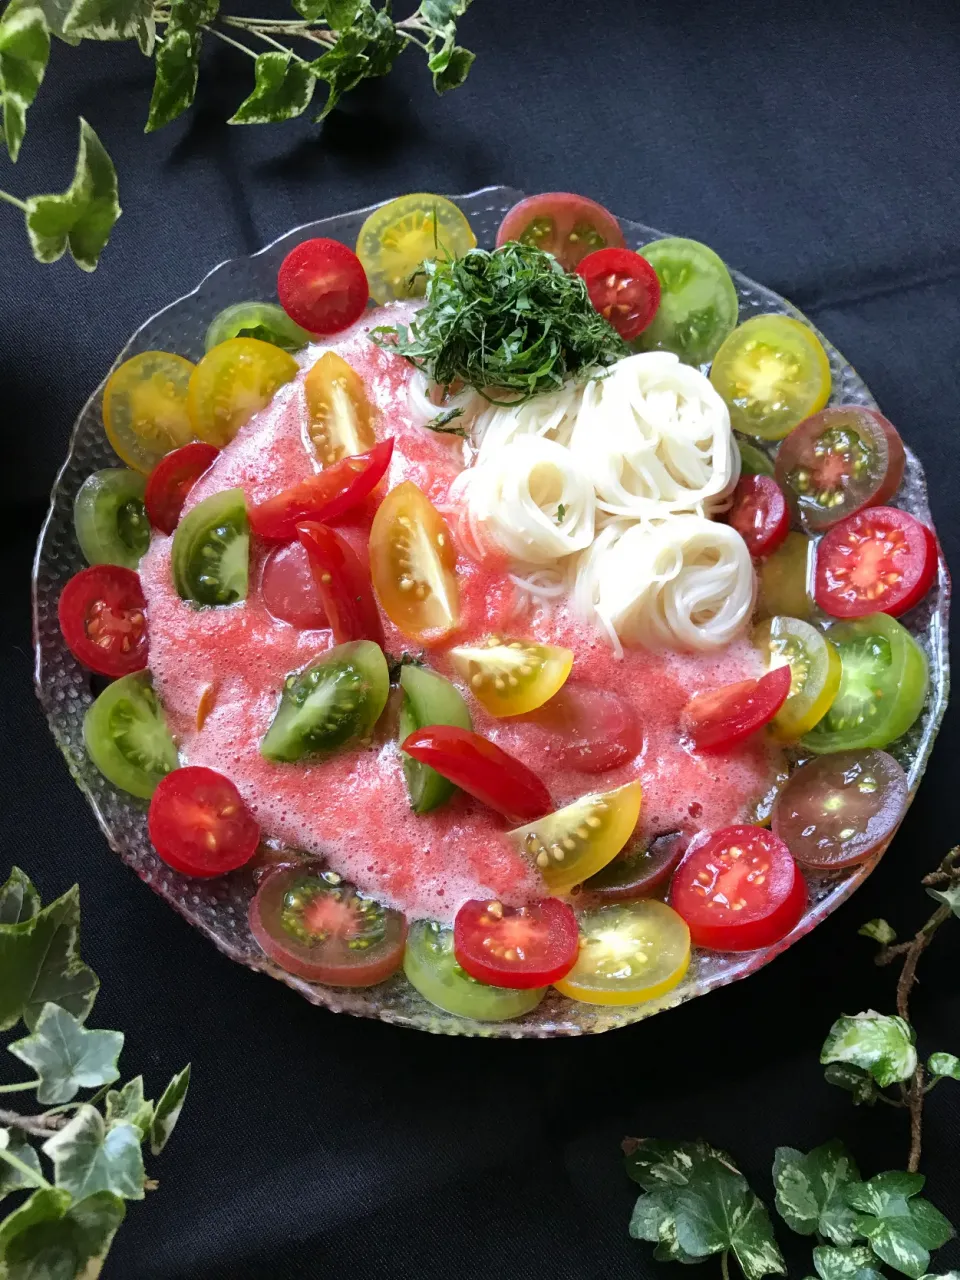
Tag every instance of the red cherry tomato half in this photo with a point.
(880, 560)
(199, 823)
(724, 716)
(519, 947)
(596, 728)
(479, 767)
(623, 287)
(563, 224)
(102, 618)
(343, 585)
(739, 891)
(759, 514)
(322, 286)
(325, 496)
(172, 479)
(288, 589)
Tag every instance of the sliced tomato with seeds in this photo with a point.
(566, 225)
(629, 952)
(340, 413)
(325, 496)
(759, 514)
(482, 769)
(343, 585)
(289, 590)
(413, 563)
(172, 479)
(103, 620)
(881, 560)
(623, 287)
(510, 677)
(722, 717)
(199, 823)
(638, 872)
(596, 729)
(518, 947)
(322, 286)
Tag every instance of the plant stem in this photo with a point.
(35, 1179)
(17, 204)
(39, 1126)
(222, 35)
(280, 27)
(725, 1265)
(19, 1088)
(268, 39)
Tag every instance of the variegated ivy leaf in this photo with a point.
(129, 1106)
(450, 67)
(88, 1157)
(109, 19)
(858, 1083)
(879, 930)
(66, 1056)
(80, 219)
(24, 50)
(441, 13)
(56, 13)
(193, 13)
(342, 68)
(853, 1263)
(950, 897)
(38, 953)
(19, 900)
(51, 1238)
(12, 1179)
(878, 1043)
(947, 1275)
(810, 1191)
(168, 1110)
(944, 1064)
(900, 1228)
(283, 89)
(175, 80)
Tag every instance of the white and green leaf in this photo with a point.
(852, 1263)
(38, 954)
(51, 1238)
(949, 897)
(128, 1105)
(944, 1065)
(858, 1083)
(168, 1110)
(879, 930)
(19, 900)
(283, 88)
(66, 1056)
(81, 219)
(810, 1191)
(11, 1178)
(24, 51)
(88, 1157)
(342, 68)
(880, 1044)
(177, 67)
(56, 13)
(108, 19)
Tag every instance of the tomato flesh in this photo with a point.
(126, 736)
(288, 588)
(233, 381)
(759, 514)
(638, 873)
(341, 416)
(199, 823)
(566, 225)
(719, 719)
(110, 518)
(413, 565)
(480, 768)
(630, 952)
(739, 891)
(398, 237)
(623, 287)
(262, 320)
(518, 947)
(145, 410)
(596, 729)
(433, 970)
(511, 677)
(343, 585)
(322, 286)
(103, 620)
(325, 496)
(814, 666)
(172, 479)
(880, 560)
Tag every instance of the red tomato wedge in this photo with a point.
(482, 769)
(725, 716)
(288, 589)
(199, 823)
(739, 891)
(880, 560)
(759, 514)
(519, 947)
(325, 496)
(563, 224)
(343, 585)
(322, 286)
(596, 729)
(623, 287)
(172, 479)
(101, 612)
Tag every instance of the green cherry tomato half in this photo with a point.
(753, 461)
(883, 685)
(431, 967)
(428, 699)
(111, 519)
(126, 736)
(785, 579)
(814, 673)
(211, 550)
(698, 301)
(265, 321)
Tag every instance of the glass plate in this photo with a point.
(218, 907)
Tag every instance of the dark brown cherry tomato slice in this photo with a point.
(639, 872)
(739, 891)
(322, 286)
(199, 823)
(313, 924)
(172, 479)
(623, 287)
(288, 589)
(596, 728)
(563, 224)
(325, 496)
(759, 514)
(838, 462)
(101, 612)
(482, 769)
(839, 809)
(724, 716)
(518, 947)
(881, 560)
(343, 585)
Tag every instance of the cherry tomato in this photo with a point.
(399, 236)
(814, 665)
(322, 286)
(838, 462)
(432, 969)
(145, 408)
(199, 823)
(596, 728)
(101, 612)
(640, 872)
(623, 287)
(759, 514)
(126, 736)
(784, 579)
(413, 564)
(510, 677)
(518, 947)
(718, 719)
(629, 952)
(753, 461)
(312, 924)
(110, 518)
(739, 891)
(172, 479)
(563, 224)
(288, 588)
(233, 381)
(263, 320)
(880, 560)
(427, 699)
(698, 300)
(341, 416)
(480, 768)
(343, 585)
(325, 496)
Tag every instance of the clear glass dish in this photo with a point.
(218, 908)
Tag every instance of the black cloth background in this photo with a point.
(815, 146)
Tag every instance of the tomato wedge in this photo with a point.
(814, 666)
(413, 565)
(325, 496)
(783, 579)
(639, 872)
(629, 952)
(596, 729)
(518, 947)
(199, 823)
(233, 381)
(288, 589)
(719, 719)
(101, 612)
(739, 891)
(510, 677)
(759, 514)
(172, 479)
(343, 585)
(322, 286)
(481, 768)
(341, 416)
(145, 408)
(880, 560)
(566, 225)
(433, 970)
(623, 287)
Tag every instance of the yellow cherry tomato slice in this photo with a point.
(784, 579)
(399, 236)
(814, 673)
(233, 381)
(773, 372)
(629, 952)
(145, 408)
(574, 843)
(341, 416)
(512, 677)
(413, 565)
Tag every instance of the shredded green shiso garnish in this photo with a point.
(508, 321)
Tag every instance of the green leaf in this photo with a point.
(950, 897)
(108, 19)
(901, 1229)
(56, 13)
(168, 1110)
(129, 1105)
(24, 50)
(855, 1263)
(947, 1275)
(884, 1191)
(83, 216)
(899, 1250)
(19, 900)
(442, 13)
(59, 1241)
(810, 1191)
(11, 1179)
(341, 15)
(342, 68)
(175, 80)
(39, 960)
(43, 1206)
(283, 89)
(855, 1080)
(878, 1043)
(654, 1163)
(386, 43)
(88, 1157)
(66, 1056)
(879, 930)
(944, 1064)
(193, 13)
(450, 67)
